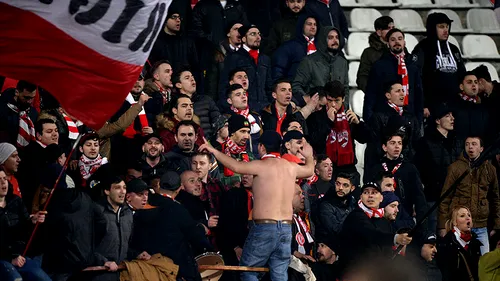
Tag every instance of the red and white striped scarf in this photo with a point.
(89, 166)
(395, 107)
(311, 47)
(231, 148)
(370, 212)
(465, 97)
(462, 238)
(72, 127)
(403, 71)
(243, 112)
(130, 132)
(26, 127)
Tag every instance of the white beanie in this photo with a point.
(6, 150)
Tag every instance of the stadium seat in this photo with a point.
(378, 3)
(485, 3)
(349, 3)
(416, 3)
(411, 42)
(353, 72)
(480, 47)
(360, 156)
(407, 20)
(356, 43)
(456, 25)
(454, 41)
(456, 3)
(483, 21)
(362, 19)
(491, 69)
(357, 101)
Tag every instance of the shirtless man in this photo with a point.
(270, 235)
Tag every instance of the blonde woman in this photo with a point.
(459, 251)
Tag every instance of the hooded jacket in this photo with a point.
(332, 211)
(368, 58)
(438, 83)
(478, 191)
(288, 56)
(205, 108)
(321, 67)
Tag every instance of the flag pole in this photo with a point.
(68, 158)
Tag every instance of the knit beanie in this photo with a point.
(236, 122)
(6, 150)
(389, 197)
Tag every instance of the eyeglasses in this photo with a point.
(174, 17)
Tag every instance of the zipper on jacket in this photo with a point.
(330, 14)
(119, 233)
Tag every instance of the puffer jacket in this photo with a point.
(368, 58)
(206, 109)
(478, 191)
(332, 211)
(321, 67)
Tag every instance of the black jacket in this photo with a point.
(368, 58)
(332, 212)
(270, 119)
(428, 270)
(15, 224)
(30, 171)
(9, 120)
(452, 258)
(384, 72)
(259, 78)
(179, 159)
(282, 31)
(438, 84)
(197, 209)
(385, 121)
(206, 109)
(161, 168)
(433, 154)
(329, 15)
(471, 119)
(72, 230)
(409, 188)
(492, 102)
(169, 230)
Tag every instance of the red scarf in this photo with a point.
(26, 127)
(311, 47)
(231, 148)
(370, 212)
(397, 108)
(243, 112)
(280, 119)
(271, 155)
(130, 132)
(465, 97)
(462, 238)
(255, 55)
(72, 128)
(338, 144)
(403, 71)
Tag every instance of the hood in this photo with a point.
(434, 19)
(300, 26)
(376, 43)
(322, 41)
(150, 87)
(163, 121)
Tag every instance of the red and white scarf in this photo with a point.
(462, 238)
(89, 166)
(299, 237)
(254, 126)
(232, 148)
(243, 112)
(311, 47)
(72, 127)
(394, 170)
(165, 93)
(270, 155)
(397, 108)
(465, 97)
(370, 212)
(26, 127)
(338, 143)
(280, 119)
(403, 71)
(130, 132)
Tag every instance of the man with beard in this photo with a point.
(204, 106)
(238, 99)
(185, 137)
(181, 108)
(335, 206)
(326, 268)
(396, 64)
(257, 66)
(326, 65)
(284, 29)
(390, 204)
(153, 161)
(424, 253)
(236, 147)
(17, 115)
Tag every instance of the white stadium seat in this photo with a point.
(454, 41)
(485, 3)
(480, 47)
(353, 72)
(491, 69)
(357, 101)
(349, 3)
(407, 20)
(356, 43)
(411, 42)
(416, 3)
(362, 19)
(378, 3)
(483, 21)
(360, 156)
(456, 3)
(456, 25)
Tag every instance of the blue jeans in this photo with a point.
(267, 244)
(31, 271)
(482, 236)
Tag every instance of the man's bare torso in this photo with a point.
(273, 190)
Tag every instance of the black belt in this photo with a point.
(272, 221)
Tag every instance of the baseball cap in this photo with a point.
(150, 136)
(292, 135)
(170, 181)
(136, 186)
(271, 139)
(371, 184)
(245, 28)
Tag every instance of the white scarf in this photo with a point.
(371, 213)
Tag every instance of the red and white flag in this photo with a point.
(88, 54)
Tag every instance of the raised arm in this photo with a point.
(308, 169)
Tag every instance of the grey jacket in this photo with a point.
(321, 67)
(114, 244)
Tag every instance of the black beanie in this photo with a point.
(236, 122)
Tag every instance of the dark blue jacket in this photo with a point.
(385, 71)
(259, 77)
(9, 120)
(288, 56)
(329, 15)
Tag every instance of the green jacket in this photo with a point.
(368, 58)
(489, 266)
